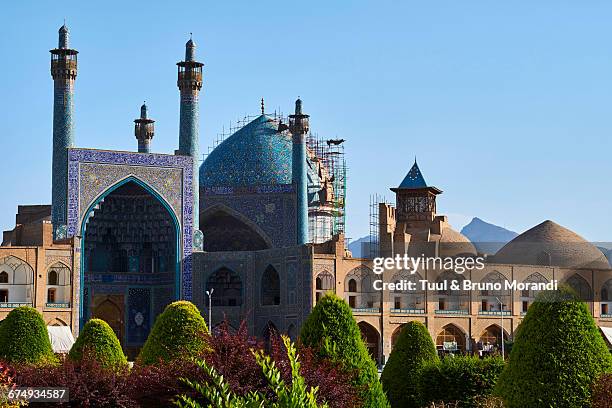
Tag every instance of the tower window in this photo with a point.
(3, 277)
(4, 295)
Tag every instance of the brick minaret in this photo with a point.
(64, 72)
(189, 83)
(299, 127)
(144, 129)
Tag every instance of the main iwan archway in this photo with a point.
(130, 258)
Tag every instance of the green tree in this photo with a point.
(558, 352)
(331, 328)
(98, 341)
(219, 395)
(414, 348)
(24, 338)
(179, 332)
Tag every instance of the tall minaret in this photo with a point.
(299, 127)
(144, 129)
(189, 83)
(64, 72)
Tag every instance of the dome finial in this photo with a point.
(262, 106)
(298, 106)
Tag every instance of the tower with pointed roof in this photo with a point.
(413, 225)
(64, 72)
(189, 83)
(415, 200)
(144, 130)
(299, 127)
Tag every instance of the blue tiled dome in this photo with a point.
(255, 155)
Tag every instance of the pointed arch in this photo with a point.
(581, 286)
(359, 288)
(16, 280)
(270, 287)
(371, 338)
(396, 333)
(172, 262)
(324, 283)
(492, 335)
(490, 298)
(229, 230)
(411, 301)
(449, 300)
(451, 338)
(268, 334)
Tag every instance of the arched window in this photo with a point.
(359, 286)
(606, 299)
(581, 286)
(408, 300)
(226, 288)
(528, 295)
(494, 293)
(52, 277)
(270, 287)
(16, 277)
(352, 285)
(324, 284)
(451, 301)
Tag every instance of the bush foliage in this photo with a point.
(179, 332)
(331, 329)
(558, 353)
(413, 348)
(292, 394)
(462, 379)
(24, 338)
(99, 341)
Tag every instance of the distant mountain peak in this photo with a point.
(491, 237)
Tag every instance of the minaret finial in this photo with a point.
(262, 106)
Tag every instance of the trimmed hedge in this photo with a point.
(98, 341)
(24, 338)
(414, 347)
(460, 378)
(179, 332)
(558, 353)
(331, 329)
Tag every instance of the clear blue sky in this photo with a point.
(506, 104)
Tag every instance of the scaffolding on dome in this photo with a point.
(371, 249)
(330, 154)
(236, 126)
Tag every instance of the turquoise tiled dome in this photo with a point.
(255, 155)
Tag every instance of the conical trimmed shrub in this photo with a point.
(179, 332)
(24, 338)
(331, 328)
(413, 349)
(557, 354)
(98, 341)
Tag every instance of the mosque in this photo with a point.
(255, 234)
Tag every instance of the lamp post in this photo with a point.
(501, 307)
(209, 294)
